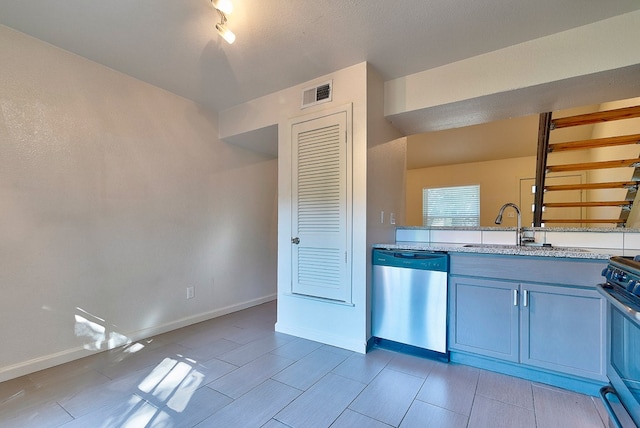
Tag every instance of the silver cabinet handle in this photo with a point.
(525, 297)
(515, 297)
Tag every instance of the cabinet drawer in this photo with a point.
(577, 272)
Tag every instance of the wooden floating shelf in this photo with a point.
(622, 163)
(597, 117)
(588, 204)
(598, 142)
(630, 185)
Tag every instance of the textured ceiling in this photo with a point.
(173, 44)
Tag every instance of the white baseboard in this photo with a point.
(323, 337)
(46, 361)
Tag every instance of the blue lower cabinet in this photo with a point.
(563, 329)
(483, 319)
(552, 333)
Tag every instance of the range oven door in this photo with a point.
(623, 367)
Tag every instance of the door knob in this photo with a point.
(295, 240)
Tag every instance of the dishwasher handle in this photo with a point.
(417, 255)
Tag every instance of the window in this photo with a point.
(451, 206)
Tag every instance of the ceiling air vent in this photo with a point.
(317, 95)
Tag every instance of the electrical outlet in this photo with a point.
(382, 217)
(191, 292)
(392, 218)
(511, 215)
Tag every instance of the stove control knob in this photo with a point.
(619, 275)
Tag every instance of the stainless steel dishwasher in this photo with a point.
(409, 304)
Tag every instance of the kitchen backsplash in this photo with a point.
(624, 242)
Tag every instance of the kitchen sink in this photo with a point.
(525, 247)
(506, 246)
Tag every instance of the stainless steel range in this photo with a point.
(622, 290)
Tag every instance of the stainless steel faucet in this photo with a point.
(519, 229)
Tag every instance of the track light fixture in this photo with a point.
(224, 8)
(226, 33)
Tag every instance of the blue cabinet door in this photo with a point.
(484, 317)
(563, 329)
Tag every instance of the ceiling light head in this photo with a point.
(226, 33)
(224, 6)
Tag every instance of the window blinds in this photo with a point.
(451, 206)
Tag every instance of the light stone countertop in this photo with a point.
(511, 250)
(537, 229)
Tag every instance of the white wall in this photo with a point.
(386, 168)
(115, 195)
(499, 182)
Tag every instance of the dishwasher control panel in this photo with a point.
(424, 260)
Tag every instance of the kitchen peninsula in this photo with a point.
(528, 311)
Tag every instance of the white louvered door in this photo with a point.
(321, 257)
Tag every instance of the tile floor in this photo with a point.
(235, 371)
